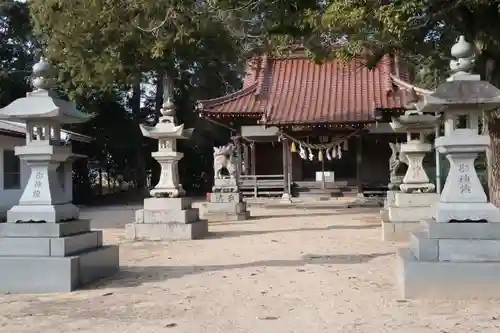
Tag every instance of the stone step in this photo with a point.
(401, 199)
(230, 207)
(29, 274)
(438, 279)
(407, 214)
(166, 216)
(44, 229)
(167, 203)
(50, 247)
(422, 247)
(166, 231)
(461, 230)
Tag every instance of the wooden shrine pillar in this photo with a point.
(286, 169)
(246, 166)
(359, 160)
(252, 158)
(237, 143)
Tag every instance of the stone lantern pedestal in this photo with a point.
(457, 253)
(168, 214)
(405, 208)
(225, 202)
(44, 247)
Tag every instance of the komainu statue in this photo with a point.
(224, 162)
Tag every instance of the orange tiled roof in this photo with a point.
(295, 90)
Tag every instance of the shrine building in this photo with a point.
(294, 118)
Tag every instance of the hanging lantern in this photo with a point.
(293, 148)
(320, 155)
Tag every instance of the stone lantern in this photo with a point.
(458, 251)
(404, 209)
(44, 247)
(168, 214)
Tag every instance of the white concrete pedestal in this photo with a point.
(403, 213)
(225, 206)
(451, 260)
(166, 219)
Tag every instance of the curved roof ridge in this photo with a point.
(263, 71)
(408, 86)
(229, 97)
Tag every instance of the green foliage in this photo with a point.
(421, 31)
(16, 50)
(106, 50)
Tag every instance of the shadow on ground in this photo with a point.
(134, 276)
(306, 213)
(238, 233)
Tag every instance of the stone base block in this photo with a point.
(166, 216)
(401, 199)
(167, 203)
(228, 207)
(460, 230)
(225, 185)
(166, 231)
(418, 188)
(398, 231)
(50, 246)
(389, 199)
(455, 249)
(47, 213)
(27, 274)
(168, 192)
(424, 248)
(221, 216)
(438, 279)
(449, 211)
(44, 229)
(409, 213)
(225, 197)
(384, 215)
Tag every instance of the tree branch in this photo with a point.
(427, 17)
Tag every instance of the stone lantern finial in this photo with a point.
(168, 107)
(42, 71)
(462, 66)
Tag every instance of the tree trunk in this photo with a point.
(493, 156)
(159, 92)
(140, 174)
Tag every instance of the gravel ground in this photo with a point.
(286, 270)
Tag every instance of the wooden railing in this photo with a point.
(262, 185)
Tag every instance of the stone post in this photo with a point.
(168, 215)
(44, 247)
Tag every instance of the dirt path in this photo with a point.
(289, 270)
